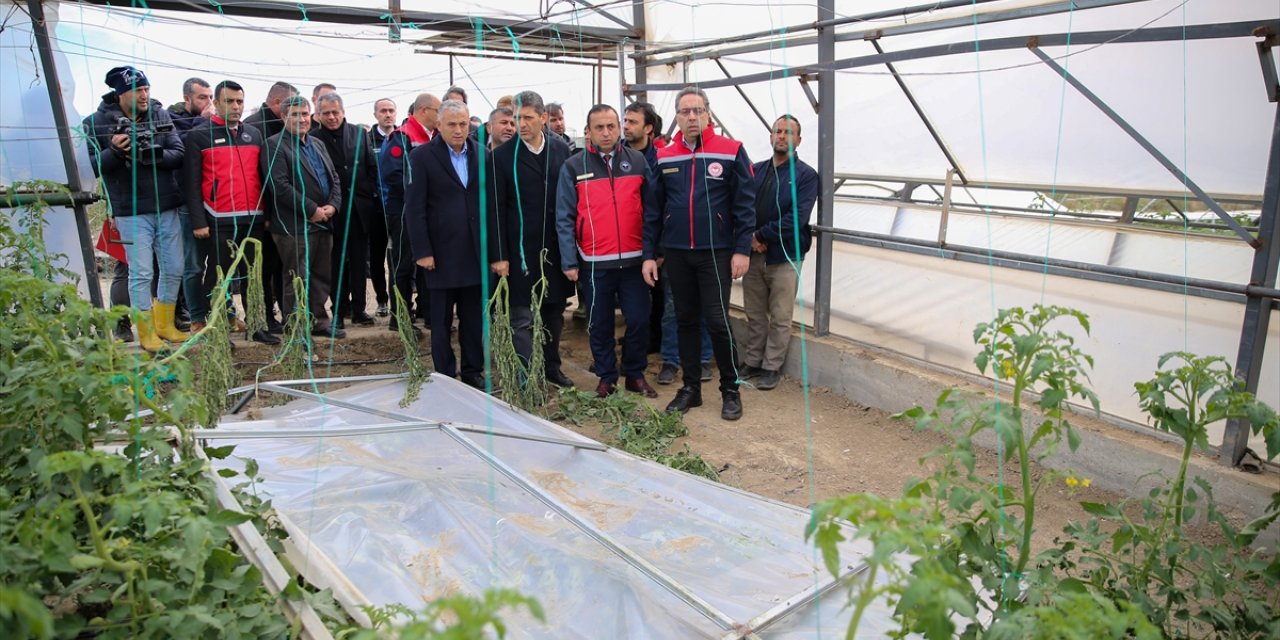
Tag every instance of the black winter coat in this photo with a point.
(156, 186)
(523, 220)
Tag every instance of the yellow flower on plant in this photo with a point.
(1006, 367)
(1072, 481)
(1084, 482)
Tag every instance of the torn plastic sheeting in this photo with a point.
(412, 516)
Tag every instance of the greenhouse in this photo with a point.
(1070, 194)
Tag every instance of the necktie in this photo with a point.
(608, 162)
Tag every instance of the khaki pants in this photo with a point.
(769, 297)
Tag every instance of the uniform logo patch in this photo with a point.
(715, 169)
(624, 165)
(246, 137)
(397, 151)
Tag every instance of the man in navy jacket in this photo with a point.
(786, 189)
(442, 218)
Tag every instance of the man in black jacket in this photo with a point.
(267, 120)
(306, 195)
(358, 174)
(134, 149)
(526, 172)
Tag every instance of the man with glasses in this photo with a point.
(701, 224)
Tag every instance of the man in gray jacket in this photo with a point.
(306, 194)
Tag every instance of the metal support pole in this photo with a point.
(642, 36)
(41, 30)
(911, 98)
(945, 218)
(622, 78)
(826, 170)
(393, 21)
(1130, 210)
(1150, 148)
(1257, 309)
(742, 93)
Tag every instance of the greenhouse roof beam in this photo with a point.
(377, 16)
(1060, 188)
(1157, 34)
(1150, 148)
(922, 26)
(924, 118)
(746, 99)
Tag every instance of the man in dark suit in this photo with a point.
(526, 171)
(306, 194)
(442, 214)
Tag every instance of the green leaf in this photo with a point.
(84, 561)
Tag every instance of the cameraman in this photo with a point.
(134, 150)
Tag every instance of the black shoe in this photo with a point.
(326, 331)
(341, 322)
(706, 371)
(395, 326)
(732, 407)
(667, 374)
(768, 380)
(686, 399)
(124, 332)
(559, 379)
(265, 337)
(474, 381)
(274, 326)
(362, 319)
(383, 310)
(182, 325)
(747, 372)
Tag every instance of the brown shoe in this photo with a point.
(238, 326)
(196, 327)
(605, 389)
(638, 385)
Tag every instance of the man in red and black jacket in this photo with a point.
(224, 189)
(600, 204)
(701, 223)
(393, 161)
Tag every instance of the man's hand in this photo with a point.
(650, 272)
(428, 263)
(738, 265)
(121, 141)
(757, 246)
(319, 215)
(201, 233)
(501, 267)
(571, 274)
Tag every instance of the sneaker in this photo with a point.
(686, 399)
(706, 371)
(383, 310)
(667, 374)
(747, 372)
(768, 380)
(732, 407)
(362, 319)
(641, 386)
(605, 389)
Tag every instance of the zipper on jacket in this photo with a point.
(613, 195)
(693, 165)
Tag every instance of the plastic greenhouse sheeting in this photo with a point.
(412, 515)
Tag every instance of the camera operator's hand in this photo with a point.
(121, 141)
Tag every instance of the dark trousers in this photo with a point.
(349, 266)
(272, 279)
(307, 257)
(470, 310)
(603, 290)
(552, 323)
(376, 233)
(404, 272)
(218, 252)
(700, 282)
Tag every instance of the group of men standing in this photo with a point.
(459, 206)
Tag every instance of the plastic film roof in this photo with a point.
(411, 515)
(1201, 102)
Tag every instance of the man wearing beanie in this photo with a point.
(134, 150)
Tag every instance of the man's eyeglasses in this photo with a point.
(691, 111)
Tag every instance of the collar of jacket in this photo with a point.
(417, 133)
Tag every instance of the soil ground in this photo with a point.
(772, 451)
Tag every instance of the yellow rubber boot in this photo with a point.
(164, 313)
(147, 333)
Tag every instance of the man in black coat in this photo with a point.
(358, 174)
(442, 214)
(305, 196)
(267, 120)
(526, 170)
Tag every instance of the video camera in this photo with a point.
(143, 138)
